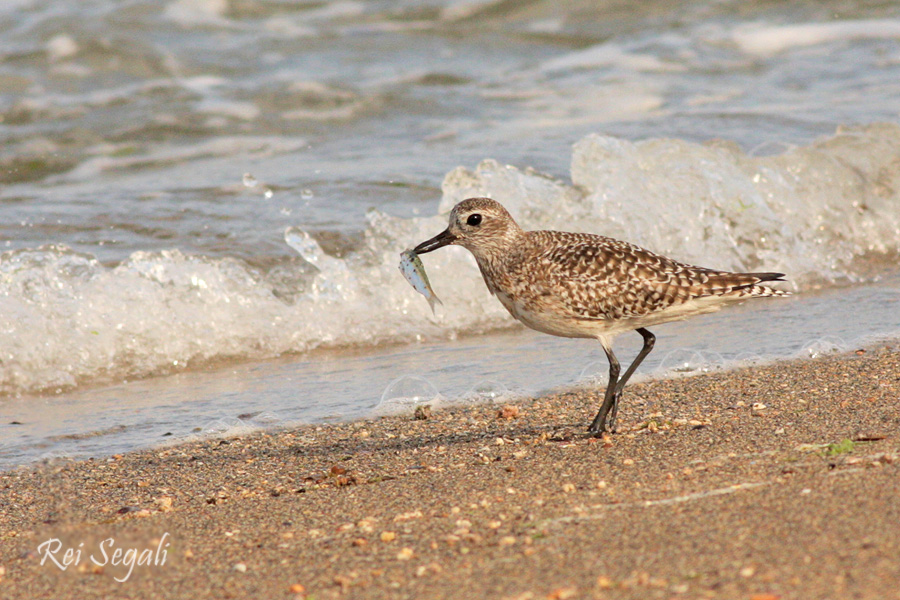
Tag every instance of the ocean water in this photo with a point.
(203, 202)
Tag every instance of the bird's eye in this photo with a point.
(474, 220)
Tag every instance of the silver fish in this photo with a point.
(414, 271)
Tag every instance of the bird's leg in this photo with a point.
(610, 407)
(649, 340)
(598, 425)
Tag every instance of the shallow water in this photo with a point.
(348, 384)
(156, 154)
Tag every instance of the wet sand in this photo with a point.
(780, 481)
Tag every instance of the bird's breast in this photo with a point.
(549, 319)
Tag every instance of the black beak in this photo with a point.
(442, 239)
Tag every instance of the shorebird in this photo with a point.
(581, 285)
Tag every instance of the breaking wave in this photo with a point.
(825, 214)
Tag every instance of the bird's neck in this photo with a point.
(500, 249)
(500, 258)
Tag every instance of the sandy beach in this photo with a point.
(780, 481)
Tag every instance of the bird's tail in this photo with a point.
(744, 285)
(752, 289)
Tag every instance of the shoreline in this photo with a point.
(774, 481)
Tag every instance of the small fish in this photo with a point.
(414, 271)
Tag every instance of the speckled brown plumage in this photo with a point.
(593, 278)
(585, 285)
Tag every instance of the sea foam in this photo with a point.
(827, 213)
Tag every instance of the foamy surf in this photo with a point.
(827, 213)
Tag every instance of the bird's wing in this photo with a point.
(596, 277)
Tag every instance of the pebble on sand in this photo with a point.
(388, 536)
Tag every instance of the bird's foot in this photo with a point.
(606, 423)
(600, 429)
(612, 422)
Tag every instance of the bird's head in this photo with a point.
(480, 225)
